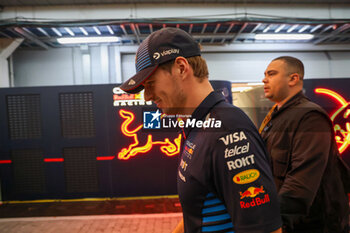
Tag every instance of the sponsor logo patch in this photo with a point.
(183, 165)
(253, 192)
(236, 150)
(189, 149)
(233, 137)
(190, 145)
(131, 82)
(170, 51)
(182, 177)
(156, 56)
(246, 177)
(240, 162)
(255, 202)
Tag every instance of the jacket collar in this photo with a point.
(292, 101)
(204, 108)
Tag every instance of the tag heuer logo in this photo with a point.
(131, 82)
(156, 56)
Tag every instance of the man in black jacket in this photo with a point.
(306, 165)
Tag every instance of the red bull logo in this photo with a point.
(189, 150)
(120, 98)
(168, 147)
(341, 119)
(252, 192)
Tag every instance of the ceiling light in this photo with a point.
(315, 28)
(56, 31)
(303, 28)
(280, 28)
(70, 32)
(84, 40)
(43, 32)
(284, 36)
(96, 30)
(292, 28)
(84, 31)
(110, 29)
(266, 29)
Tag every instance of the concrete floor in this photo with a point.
(136, 223)
(151, 215)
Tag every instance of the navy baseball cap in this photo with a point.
(160, 47)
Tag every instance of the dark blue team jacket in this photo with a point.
(224, 179)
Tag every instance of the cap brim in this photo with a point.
(134, 84)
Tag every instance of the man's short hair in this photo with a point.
(197, 63)
(294, 65)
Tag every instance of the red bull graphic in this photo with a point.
(120, 98)
(340, 118)
(253, 192)
(166, 146)
(189, 150)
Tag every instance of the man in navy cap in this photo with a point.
(224, 179)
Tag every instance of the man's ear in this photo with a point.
(181, 65)
(294, 79)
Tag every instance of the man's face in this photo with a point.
(164, 89)
(276, 79)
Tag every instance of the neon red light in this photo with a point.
(53, 160)
(339, 118)
(105, 157)
(333, 94)
(5, 161)
(177, 204)
(167, 147)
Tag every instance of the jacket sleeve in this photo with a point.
(243, 181)
(309, 155)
